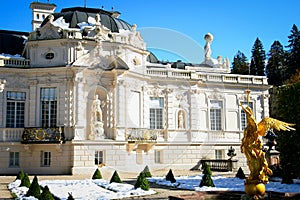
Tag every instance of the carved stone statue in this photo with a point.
(207, 51)
(96, 125)
(181, 120)
(97, 109)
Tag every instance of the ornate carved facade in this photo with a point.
(151, 113)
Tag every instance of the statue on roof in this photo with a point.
(207, 50)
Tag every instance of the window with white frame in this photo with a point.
(14, 159)
(15, 109)
(243, 114)
(158, 156)
(156, 112)
(48, 107)
(45, 159)
(99, 157)
(219, 154)
(215, 115)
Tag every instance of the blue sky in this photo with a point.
(235, 24)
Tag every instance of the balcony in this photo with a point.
(43, 135)
(141, 139)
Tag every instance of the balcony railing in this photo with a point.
(142, 135)
(220, 165)
(43, 135)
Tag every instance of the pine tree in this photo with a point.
(293, 58)
(25, 181)
(46, 194)
(240, 174)
(276, 66)
(20, 175)
(240, 65)
(97, 174)
(34, 189)
(142, 182)
(147, 172)
(257, 65)
(206, 179)
(170, 176)
(115, 178)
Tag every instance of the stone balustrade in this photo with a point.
(221, 78)
(14, 62)
(11, 134)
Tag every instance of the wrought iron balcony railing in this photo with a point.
(43, 135)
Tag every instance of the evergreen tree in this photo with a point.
(115, 178)
(288, 98)
(276, 66)
(293, 58)
(20, 175)
(206, 179)
(170, 176)
(46, 194)
(25, 181)
(34, 189)
(147, 172)
(142, 182)
(257, 65)
(97, 174)
(240, 64)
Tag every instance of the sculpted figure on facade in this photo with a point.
(181, 120)
(97, 109)
(96, 125)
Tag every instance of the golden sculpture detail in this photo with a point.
(252, 148)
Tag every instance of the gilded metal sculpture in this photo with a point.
(252, 148)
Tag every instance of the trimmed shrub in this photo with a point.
(97, 174)
(142, 182)
(20, 175)
(170, 176)
(34, 189)
(46, 194)
(115, 178)
(25, 181)
(206, 179)
(240, 174)
(147, 172)
(70, 197)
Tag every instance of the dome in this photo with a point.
(77, 15)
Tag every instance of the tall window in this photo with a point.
(15, 109)
(99, 157)
(220, 154)
(215, 115)
(157, 156)
(45, 159)
(156, 113)
(14, 159)
(48, 107)
(243, 114)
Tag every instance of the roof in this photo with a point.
(12, 42)
(77, 15)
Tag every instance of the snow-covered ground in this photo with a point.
(102, 189)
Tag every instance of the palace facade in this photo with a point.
(84, 91)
